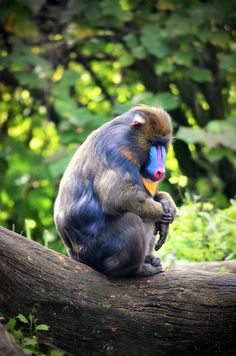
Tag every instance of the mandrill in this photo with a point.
(107, 210)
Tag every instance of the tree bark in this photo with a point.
(173, 313)
(8, 347)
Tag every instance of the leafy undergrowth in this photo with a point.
(201, 232)
(24, 331)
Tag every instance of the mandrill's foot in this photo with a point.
(152, 260)
(147, 270)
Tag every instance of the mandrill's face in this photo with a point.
(154, 167)
(155, 134)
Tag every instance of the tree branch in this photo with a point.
(188, 312)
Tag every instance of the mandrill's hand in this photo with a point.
(169, 211)
(162, 226)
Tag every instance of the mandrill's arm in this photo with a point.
(169, 209)
(117, 194)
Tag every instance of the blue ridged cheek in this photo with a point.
(163, 154)
(152, 165)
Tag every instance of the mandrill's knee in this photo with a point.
(127, 259)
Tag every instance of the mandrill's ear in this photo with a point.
(138, 120)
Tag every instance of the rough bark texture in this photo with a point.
(8, 347)
(173, 313)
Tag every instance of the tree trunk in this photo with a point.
(173, 313)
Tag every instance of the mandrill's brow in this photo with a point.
(154, 141)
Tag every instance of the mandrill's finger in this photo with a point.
(164, 228)
(165, 205)
(167, 218)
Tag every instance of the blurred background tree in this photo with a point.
(68, 66)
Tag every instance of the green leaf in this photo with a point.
(204, 35)
(10, 324)
(31, 80)
(23, 57)
(35, 6)
(228, 62)
(215, 133)
(56, 353)
(152, 42)
(220, 39)
(78, 6)
(131, 40)
(201, 12)
(224, 133)
(21, 25)
(164, 67)
(176, 25)
(199, 74)
(22, 318)
(58, 167)
(69, 78)
(66, 107)
(29, 341)
(18, 335)
(190, 135)
(139, 52)
(126, 60)
(31, 318)
(114, 9)
(41, 327)
(166, 100)
(119, 109)
(183, 58)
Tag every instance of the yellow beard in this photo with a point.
(150, 186)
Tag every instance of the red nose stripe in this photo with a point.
(159, 174)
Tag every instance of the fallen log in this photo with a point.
(173, 313)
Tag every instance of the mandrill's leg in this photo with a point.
(124, 249)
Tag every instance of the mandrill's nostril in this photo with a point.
(159, 174)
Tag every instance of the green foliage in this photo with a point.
(214, 134)
(23, 319)
(65, 70)
(25, 332)
(202, 233)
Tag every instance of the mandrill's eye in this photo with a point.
(155, 141)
